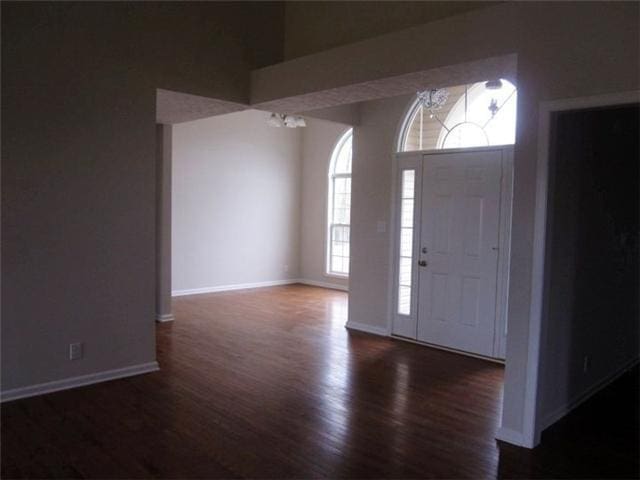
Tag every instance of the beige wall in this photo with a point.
(78, 154)
(236, 202)
(564, 50)
(318, 141)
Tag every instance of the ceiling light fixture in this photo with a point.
(275, 121)
(434, 99)
(289, 121)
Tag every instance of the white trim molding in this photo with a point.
(532, 424)
(333, 286)
(363, 327)
(79, 381)
(247, 286)
(165, 317)
(346, 135)
(237, 286)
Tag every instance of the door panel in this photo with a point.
(459, 231)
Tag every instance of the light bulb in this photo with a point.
(274, 120)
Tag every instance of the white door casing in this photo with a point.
(492, 189)
(459, 244)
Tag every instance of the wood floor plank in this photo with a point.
(268, 383)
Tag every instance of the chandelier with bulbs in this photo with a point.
(289, 121)
(469, 116)
(433, 100)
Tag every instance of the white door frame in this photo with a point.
(506, 201)
(532, 423)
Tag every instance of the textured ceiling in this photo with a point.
(502, 67)
(175, 107)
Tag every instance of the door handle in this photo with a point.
(422, 263)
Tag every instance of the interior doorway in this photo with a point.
(591, 274)
(453, 209)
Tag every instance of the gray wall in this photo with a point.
(236, 202)
(78, 154)
(318, 141)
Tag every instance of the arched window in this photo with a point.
(475, 115)
(339, 211)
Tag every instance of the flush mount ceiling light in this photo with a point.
(289, 121)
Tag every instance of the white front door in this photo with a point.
(458, 250)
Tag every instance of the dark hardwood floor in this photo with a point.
(268, 384)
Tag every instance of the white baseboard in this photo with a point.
(244, 286)
(363, 327)
(563, 410)
(510, 436)
(73, 382)
(237, 286)
(167, 317)
(314, 283)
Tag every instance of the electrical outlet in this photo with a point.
(286, 268)
(75, 351)
(586, 364)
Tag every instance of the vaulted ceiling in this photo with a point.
(328, 25)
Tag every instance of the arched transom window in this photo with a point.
(339, 211)
(474, 115)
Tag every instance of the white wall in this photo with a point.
(236, 202)
(318, 140)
